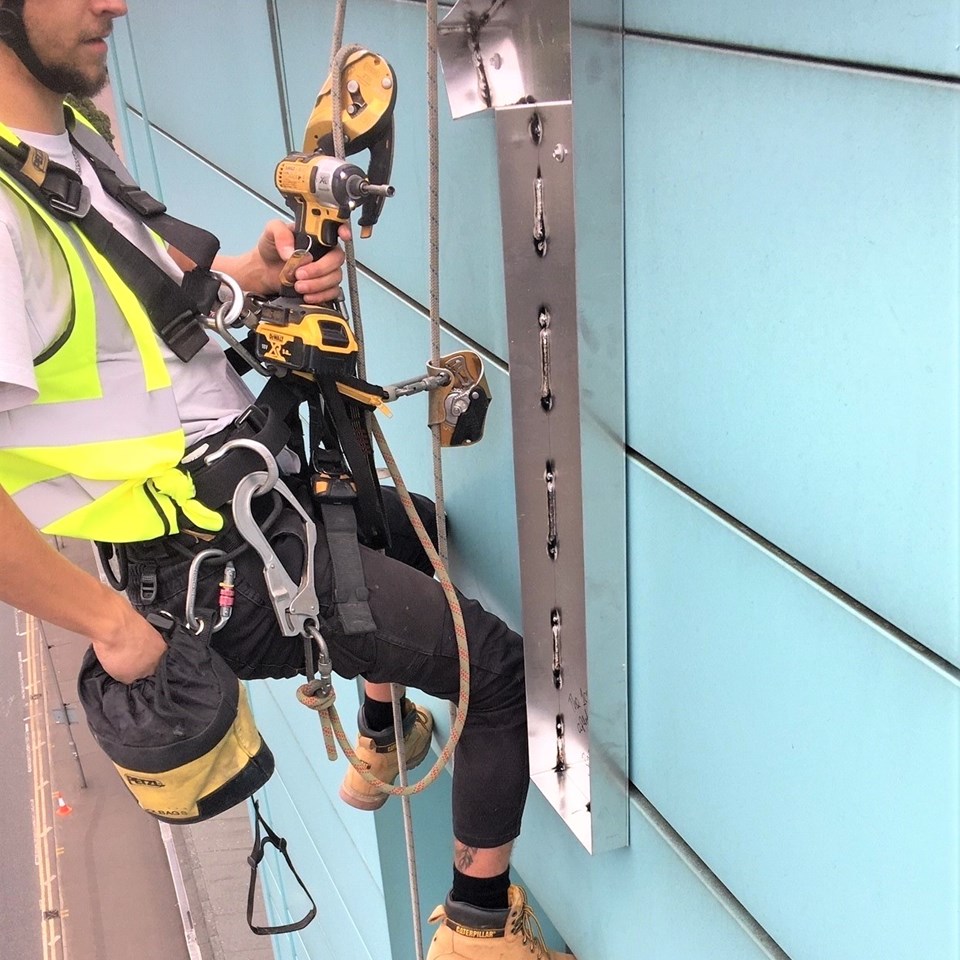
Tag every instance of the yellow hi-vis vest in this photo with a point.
(95, 455)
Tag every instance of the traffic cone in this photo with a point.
(63, 808)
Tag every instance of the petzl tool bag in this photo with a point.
(183, 740)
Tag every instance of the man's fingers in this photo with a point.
(321, 294)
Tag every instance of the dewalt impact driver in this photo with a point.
(323, 191)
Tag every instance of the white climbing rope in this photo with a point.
(330, 723)
(333, 731)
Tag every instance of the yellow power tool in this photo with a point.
(323, 191)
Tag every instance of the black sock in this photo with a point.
(487, 892)
(379, 715)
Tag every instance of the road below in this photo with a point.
(20, 919)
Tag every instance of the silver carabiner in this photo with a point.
(272, 475)
(189, 614)
(230, 313)
(229, 310)
(296, 605)
(324, 663)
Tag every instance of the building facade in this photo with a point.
(767, 213)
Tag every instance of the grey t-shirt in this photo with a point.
(35, 303)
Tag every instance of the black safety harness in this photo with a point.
(343, 477)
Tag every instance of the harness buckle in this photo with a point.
(73, 203)
(336, 488)
(148, 584)
(183, 333)
(331, 481)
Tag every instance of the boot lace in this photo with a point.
(531, 934)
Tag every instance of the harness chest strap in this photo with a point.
(173, 309)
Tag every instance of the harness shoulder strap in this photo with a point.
(198, 244)
(174, 311)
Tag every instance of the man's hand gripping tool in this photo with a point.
(323, 191)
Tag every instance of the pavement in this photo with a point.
(115, 882)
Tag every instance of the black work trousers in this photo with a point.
(414, 644)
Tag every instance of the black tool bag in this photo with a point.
(185, 743)
(183, 740)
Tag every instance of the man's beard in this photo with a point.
(65, 80)
(58, 78)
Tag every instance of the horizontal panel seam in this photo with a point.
(886, 71)
(445, 326)
(747, 922)
(914, 647)
(245, 187)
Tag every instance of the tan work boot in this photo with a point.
(472, 933)
(378, 750)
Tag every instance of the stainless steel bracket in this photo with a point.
(497, 53)
(517, 58)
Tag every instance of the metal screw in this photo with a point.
(386, 83)
(559, 153)
(353, 86)
(496, 61)
(536, 128)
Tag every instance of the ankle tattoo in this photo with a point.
(463, 856)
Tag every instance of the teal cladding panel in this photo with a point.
(478, 480)
(792, 288)
(227, 110)
(125, 76)
(323, 834)
(199, 193)
(471, 265)
(809, 758)
(138, 153)
(639, 903)
(921, 36)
